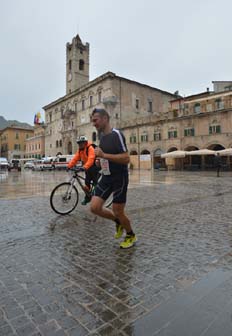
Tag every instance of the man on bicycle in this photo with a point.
(87, 156)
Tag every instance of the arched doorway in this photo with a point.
(145, 159)
(216, 147)
(145, 152)
(174, 163)
(210, 159)
(192, 162)
(69, 148)
(158, 162)
(172, 149)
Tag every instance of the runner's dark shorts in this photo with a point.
(113, 184)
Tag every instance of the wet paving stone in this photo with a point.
(73, 279)
(6, 331)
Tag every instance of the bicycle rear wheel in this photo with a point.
(64, 198)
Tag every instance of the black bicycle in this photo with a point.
(65, 196)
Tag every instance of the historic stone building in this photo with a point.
(69, 116)
(13, 141)
(35, 145)
(153, 121)
(195, 122)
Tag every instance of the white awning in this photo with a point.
(174, 154)
(201, 152)
(224, 152)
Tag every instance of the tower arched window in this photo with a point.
(81, 64)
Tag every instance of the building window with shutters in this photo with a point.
(189, 132)
(133, 138)
(172, 134)
(99, 97)
(219, 105)
(157, 136)
(144, 137)
(137, 103)
(17, 147)
(90, 101)
(213, 129)
(83, 104)
(197, 108)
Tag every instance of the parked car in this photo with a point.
(48, 163)
(4, 164)
(15, 164)
(28, 165)
(37, 165)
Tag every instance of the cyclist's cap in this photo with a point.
(99, 110)
(82, 138)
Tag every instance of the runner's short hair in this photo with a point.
(102, 112)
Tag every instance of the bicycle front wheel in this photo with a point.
(64, 198)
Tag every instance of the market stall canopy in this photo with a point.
(201, 152)
(224, 152)
(175, 154)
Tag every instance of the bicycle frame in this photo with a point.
(76, 177)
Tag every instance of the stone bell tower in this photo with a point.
(77, 64)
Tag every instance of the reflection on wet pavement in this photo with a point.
(33, 183)
(65, 275)
(29, 183)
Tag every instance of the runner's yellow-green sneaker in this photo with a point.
(128, 242)
(119, 231)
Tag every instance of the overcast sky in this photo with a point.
(170, 44)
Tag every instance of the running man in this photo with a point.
(114, 159)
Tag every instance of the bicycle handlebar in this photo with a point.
(76, 169)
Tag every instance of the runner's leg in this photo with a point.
(97, 208)
(118, 210)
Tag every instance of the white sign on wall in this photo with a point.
(145, 157)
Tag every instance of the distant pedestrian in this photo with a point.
(218, 163)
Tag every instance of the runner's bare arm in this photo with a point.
(121, 158)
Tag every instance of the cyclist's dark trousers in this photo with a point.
(92, 174)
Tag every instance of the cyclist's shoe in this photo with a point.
(86, 200)
(86, 188)
(128, 242)
(119, 231)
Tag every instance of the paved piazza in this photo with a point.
(65, 275)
